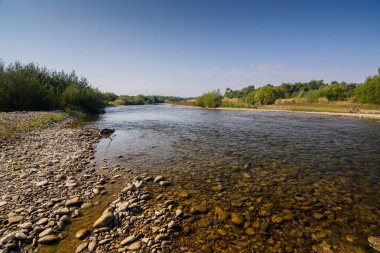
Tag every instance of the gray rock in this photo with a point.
(75, 201)
(20, 236)
(128, 240)
(46, 232)
(159, 179)
(134, 246)
(49, 239)
(15, 219)
(81, 247)
(9, 237)
(104, 220)
(62, 211)
(41, 183)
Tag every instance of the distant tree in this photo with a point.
(369, 91)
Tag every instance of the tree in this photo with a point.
(266, 95)
(369, 91)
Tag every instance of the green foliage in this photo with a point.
(265, 95)
(30, 87)
(210, 99)
(336, 91)
(235, 103)
(229, 93)
(369, 91)
(141, 100)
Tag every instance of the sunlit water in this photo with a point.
(299, 183)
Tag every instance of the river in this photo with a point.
(267, 181)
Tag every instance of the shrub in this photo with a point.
(369, 91)
(210, 99)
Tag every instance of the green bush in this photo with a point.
(266, 95)
(29, 87)
(210, 99)
(369, 91)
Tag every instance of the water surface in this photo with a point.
(292, 182)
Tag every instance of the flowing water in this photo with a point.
(257, 181)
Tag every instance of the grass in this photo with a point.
(10, 130)
(337, 107)
(235, 103)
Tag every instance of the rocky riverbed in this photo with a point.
(49, 178)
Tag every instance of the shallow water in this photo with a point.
(292, 182)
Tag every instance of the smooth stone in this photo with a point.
(42, 221)
(91, 246)
(15, 219)
(49, 239)
(104, 220)
(178, 213)
(374, 242)
(86, 205)
(76, 201)
(129, 187)
(62, 211)
(46, 232)
(161, 237)
(173, 225)
(128, 240)
(134, 246)
(42, 183)
(71, 184)
(165, 183)
(81, 247)
(159, 179)
(81, 234)
(20, 236)
(123, 206)
(9, 237)
(26, 225)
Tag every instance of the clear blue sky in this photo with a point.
(177, 47)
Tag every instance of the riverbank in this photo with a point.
(53, 192)
(317, 110)
(40, 162)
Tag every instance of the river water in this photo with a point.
(260, 181)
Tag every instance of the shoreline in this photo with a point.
(367, 116)
(58, 192)
(49, 166)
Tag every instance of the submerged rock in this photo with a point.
(374, 242)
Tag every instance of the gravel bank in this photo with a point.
(49, 178)
(41, 186)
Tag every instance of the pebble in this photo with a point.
(128, 240)
(374, 242)
(49, 239)
(104, 220)
(75, 201)
(81, 234)
(15, 219)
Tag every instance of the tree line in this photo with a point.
(315, 91)
(30, 87)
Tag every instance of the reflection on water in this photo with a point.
(258, 181)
